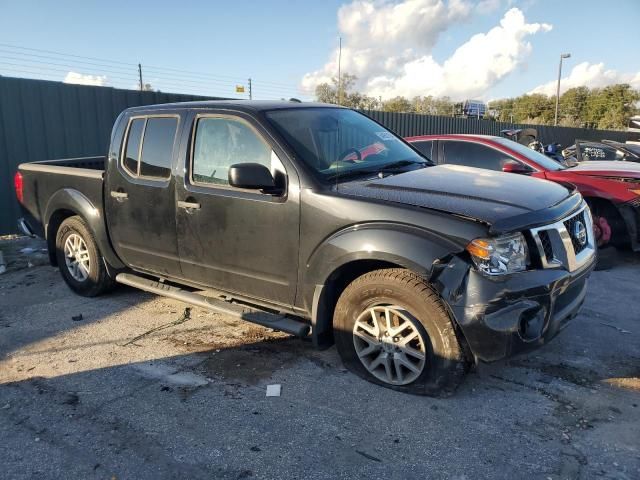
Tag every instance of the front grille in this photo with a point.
(546, 244)
(558, 245)
(570, 226)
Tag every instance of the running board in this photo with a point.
(270, 320)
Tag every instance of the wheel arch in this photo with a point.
(67, 203)
(620, 221)
(350, 254)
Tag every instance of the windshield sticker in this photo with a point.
(385, 136)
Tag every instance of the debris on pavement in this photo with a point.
(186, 315)
(621, 330)
(366, 455)
(274, 390)
(77, 318)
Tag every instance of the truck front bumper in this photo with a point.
(502, 317)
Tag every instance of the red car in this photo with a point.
(612, 189)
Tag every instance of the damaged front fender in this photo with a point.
(500, 316)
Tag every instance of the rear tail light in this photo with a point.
(18, 186)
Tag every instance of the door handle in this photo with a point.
(189, 205)
(119, 195)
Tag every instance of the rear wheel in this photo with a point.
(392, 329)
(79, 259)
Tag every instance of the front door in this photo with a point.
(140, 195)
(241, 241)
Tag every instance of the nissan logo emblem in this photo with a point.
(580, 233)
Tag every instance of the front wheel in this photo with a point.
(79, 259)
(392, 329)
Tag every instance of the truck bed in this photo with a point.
(42, 180)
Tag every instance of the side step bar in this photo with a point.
(270, 320)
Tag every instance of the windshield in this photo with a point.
(541, 159)
(337, 141)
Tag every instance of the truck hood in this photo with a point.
(484, 195)
(607, 169)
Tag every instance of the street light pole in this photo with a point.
(564, 55)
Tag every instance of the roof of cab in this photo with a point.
(241, 105)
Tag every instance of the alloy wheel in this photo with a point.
(389, 344)
(76, 255)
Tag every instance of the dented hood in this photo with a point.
(485, 195)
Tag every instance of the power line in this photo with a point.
(151, 68)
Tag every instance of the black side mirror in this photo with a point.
(254, 176)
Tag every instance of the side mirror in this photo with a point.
(512, 166)
(253, 176)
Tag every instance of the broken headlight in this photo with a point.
(499, 255)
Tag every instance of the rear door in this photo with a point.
(140, 194)
(238, 240)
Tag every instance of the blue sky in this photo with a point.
(278, 42)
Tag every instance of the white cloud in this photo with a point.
(82, 79)
(488, 6)
(592, 75)
(389, 46)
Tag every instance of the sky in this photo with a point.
(485, 49)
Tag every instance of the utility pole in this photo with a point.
(140, 76)
(250, 93)
(563, 55)
(339, 73)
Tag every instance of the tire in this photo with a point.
(73, 232)
(408, 298)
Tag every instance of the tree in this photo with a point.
(397, 104)
(340, 93)
(607, 108)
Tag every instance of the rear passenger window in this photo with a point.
(132, 152)
(157, 147)
(153, 158)
(222, 142)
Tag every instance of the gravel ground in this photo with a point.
(80, 397)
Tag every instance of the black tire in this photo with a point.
(98, 280)
(445, 364)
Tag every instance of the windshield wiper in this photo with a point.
(389, 167)
(401, 164)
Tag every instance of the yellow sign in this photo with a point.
(239, 88)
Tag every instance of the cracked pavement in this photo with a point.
(188, 401)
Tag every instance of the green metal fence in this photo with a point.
(42, 120)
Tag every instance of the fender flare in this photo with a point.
(72, 200)
(419, 250)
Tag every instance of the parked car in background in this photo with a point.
(303, 216)
(606, 150)
(612, 189)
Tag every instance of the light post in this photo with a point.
(563, 55)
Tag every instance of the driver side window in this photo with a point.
(221, 142)
(474, 155)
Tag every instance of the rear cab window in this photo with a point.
(148, 152)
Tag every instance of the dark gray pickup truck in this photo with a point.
(316, 220)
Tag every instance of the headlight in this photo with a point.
(499, 255)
